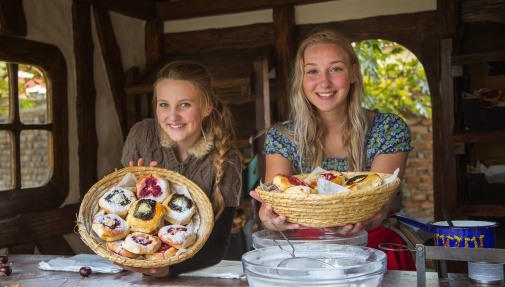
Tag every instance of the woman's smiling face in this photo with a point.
(327, 77)
(179, 111)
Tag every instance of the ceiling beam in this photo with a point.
(174, 10)
(139, 9)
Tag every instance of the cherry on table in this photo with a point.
(4, 259)
(85, 271)
(5, 270)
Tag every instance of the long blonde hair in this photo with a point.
(309, 130)
(218, 123)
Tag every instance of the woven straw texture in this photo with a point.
(325, 210)
(89, 207)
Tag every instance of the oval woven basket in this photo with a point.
(89, 207)
(325, 210)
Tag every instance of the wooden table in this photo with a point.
(25, 273)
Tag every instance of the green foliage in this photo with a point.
(394, 79)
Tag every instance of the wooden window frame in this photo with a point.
(51, 195)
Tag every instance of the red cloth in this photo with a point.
(396, 260)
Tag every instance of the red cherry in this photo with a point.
(5, 270)
(85, 271)
(4, 259)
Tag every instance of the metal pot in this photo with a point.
(465, 233)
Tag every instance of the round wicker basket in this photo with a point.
(89, 207)
(325, 210)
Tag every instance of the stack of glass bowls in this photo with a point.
(353, 263)
(354, 266)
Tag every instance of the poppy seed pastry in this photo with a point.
(117, 247)
(145, 215)
(141, 243)
(178, 236)
(110, 227)
(164, 252)
(152, 186)
(117, 200)
(363, 181)
(179, 209)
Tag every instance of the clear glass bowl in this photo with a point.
(264, 238)
(353, 266)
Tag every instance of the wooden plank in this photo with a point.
(153, 41)
(483, 11)
(172, 10)
(57, 245)
(285, 48)
(139, 9)
(31, 227)
(86, 96)
(112, 57)
(12, 18)
(213, 40)
(448, 17)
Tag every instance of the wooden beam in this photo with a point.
(172, 10)
(483, 11)
(112, 58)
(285, 48)
(448, 17)
(214, 40)
(139, 9)
(153, 41)
(12, 18)
(30, 227)
(86, 96)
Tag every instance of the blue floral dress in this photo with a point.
(387, 134)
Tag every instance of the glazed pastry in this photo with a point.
(164, 252)
(179, 209)
(117, 247)
(300, 189)
(110, 227)
(282, 181)
(117, 200)
(153, 186)
(363, 181)
(141, 243)
(333, 176)
(177, 236)
(145, 215)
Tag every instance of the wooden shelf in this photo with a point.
(483, 210)
(478, 136)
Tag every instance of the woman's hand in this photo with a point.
(155, 272)
(141, 163)
(270, 219)
(354, 228)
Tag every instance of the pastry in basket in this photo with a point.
(141, 243)
(282, 181)
(179, 209)
(300, 189)
(178, 236)
(164, 252)
(363, 181)
(117, 247)
(145, 215)
(153, 186)
(110, 227)
(333, 176)
(117, 200)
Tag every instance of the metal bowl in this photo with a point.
(353, 266)
(264, 238)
